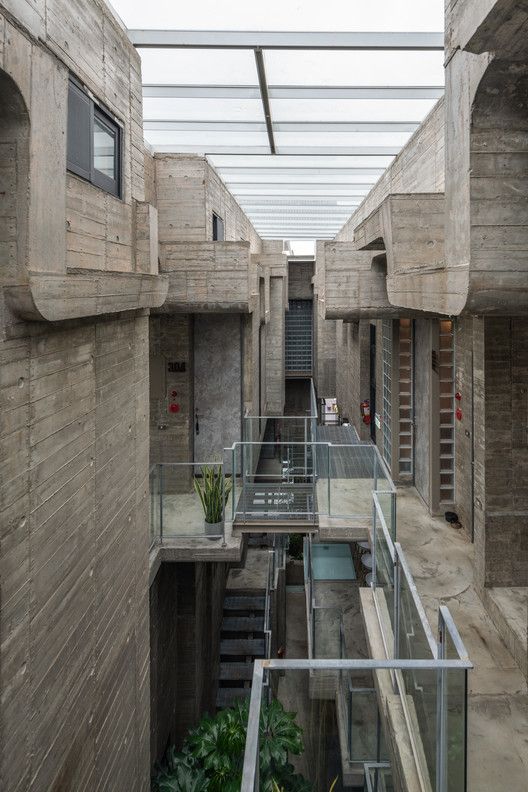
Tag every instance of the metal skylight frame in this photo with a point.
(266, 200)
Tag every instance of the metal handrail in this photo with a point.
(251, 764)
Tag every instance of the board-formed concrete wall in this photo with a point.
(74, 557)
(418, 168)
(186, 605)
(74, 429)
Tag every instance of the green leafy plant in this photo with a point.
(295, 548)
(213, 490)
(212, 756)
(277, 788)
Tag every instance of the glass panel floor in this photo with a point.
(332, 562)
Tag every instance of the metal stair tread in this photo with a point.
(244, 603)
(244, 647)
(243, 624)
(236, 671)
(228, 695)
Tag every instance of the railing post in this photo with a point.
(233, 488)
(161, 501)
(223, 507)
(375, 469)
(441, 714)
(328, 475)
(393, 515)
(350, 719)
(397, 594)
(305, 448)
(374, 540)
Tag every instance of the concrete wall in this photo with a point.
(300, 274)
(74, 434)
(188, 192)
(171, 433)
(422, 409)
(418, 168)
(466, 340)
(353, 371)
(501, 489)
(217, 384)
(186, 605)
(275, 335)
(74, 557)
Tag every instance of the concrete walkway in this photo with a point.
(441, 561)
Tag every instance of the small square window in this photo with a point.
(94, 142)
(218, 228)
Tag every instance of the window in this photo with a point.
(218, 229)
(94, 141)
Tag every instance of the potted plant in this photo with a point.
(213, 490)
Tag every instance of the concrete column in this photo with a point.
(275, 383)
(501, 453)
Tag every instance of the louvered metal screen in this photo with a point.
(299, 338)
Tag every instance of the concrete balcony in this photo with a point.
(409, 229)
(355, 283)
(208, 277)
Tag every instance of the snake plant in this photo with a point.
(213, 490)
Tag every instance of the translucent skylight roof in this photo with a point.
(299, 123)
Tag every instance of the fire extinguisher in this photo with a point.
(365, 411)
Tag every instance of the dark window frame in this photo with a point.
(218, 223)
(113, 186)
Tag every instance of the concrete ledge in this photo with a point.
(355, 283)
(208, 277)
(507, 608)
(76, 294)
(343, 529)
(192, 550)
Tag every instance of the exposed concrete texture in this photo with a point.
(74, 558)
(185, 617)
(353, 371)
(275, 335)
(508, 608)
(82, 229)
(423, 408)
(355, 284)
(217, 385)
(300, 274)
(171, 433)
(207, 276)
(501, 490)
(442, 562)
(418, 168)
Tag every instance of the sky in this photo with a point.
(344, 15)
(215, 67)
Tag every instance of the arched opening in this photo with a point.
(14, 177)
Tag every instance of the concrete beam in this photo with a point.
(355, 283)
(54, 297)
(207, 277)
(288, 40)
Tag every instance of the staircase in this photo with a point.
(241, 641)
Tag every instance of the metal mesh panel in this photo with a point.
(387, 390)
(299, 338)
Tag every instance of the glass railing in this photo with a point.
(290, 480)
(322, 739)
(378, 777)
(155, 503)
(176, 509)
(434, 701)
